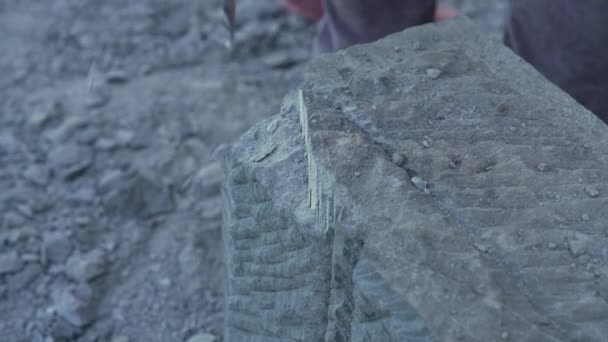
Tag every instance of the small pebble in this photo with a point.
(357, 174)
(482, 248)
(85, 267)
(56, 247)
(82, 220)
(37, 174)
(109, 180)
(542, 167)
(96, 100)
(75, 304)
(502, 107)
(397, 159)
(124, 136)
(165, 282)
(585, 217)
(420, 184)
(426, 143)
(20, 280)
(106, 144)
(116, 76)
(10, 262)
(70, 160)
(202, 337)
(577, 244)
(433, 73)
(25, 210)
(592, 191)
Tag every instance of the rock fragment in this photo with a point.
(426, 143)
(60, 329)
(66, 130)
(37, 174)
(420, 184)
(577, 244)
(190, 260)
(8, 143)
(87, 266)
(397, 159)
(433, 73)
(121, 138)
(75, 304)
(284, 59)
(24, 277)
(124, 136)
(56, 247)
(97, 99)
(46, 113)
(543, 167)
(70, 160)
(502, 107)
(206, 181)
(117, 76)
(109, 180)
(203, 337)
(482, 247)
(10, 262)
(592, 191)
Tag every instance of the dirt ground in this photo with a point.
(113, 118)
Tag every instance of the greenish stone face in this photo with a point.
(489, 227)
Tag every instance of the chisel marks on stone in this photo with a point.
(380, 313)
(312, 165)
(275, 288)
(345, 252)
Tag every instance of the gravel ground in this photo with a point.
(113, 118)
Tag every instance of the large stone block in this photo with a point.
(431, 186)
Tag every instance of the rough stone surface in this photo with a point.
(494, 250)
(183, 103)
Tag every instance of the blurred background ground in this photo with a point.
(113, 117)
